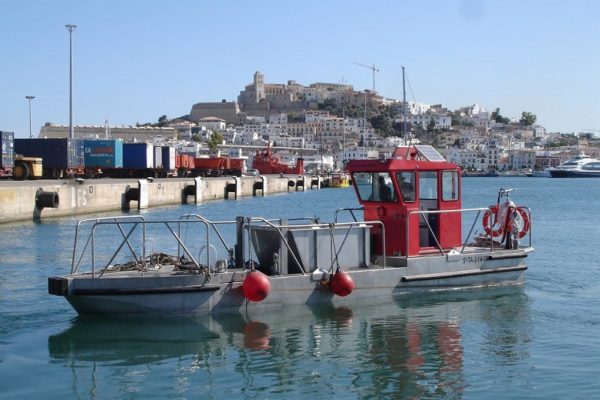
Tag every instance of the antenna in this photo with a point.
(372, 68)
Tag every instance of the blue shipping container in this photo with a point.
(6, 145)
(59, 153)
(138, 155)
(168, 158)
(103, 153)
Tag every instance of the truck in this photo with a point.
(218, 166)
(14, 165)
(62, 157)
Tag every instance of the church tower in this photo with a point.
(259, 87)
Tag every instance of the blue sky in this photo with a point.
(137, 60)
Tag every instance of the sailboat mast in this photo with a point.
(343, 138)
(403, 106)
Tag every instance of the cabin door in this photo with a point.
(428, 201)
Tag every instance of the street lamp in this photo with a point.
(71, 28)
(30, 98)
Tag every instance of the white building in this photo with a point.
(316, 116)
(492, 153)
(360, 153)
(213, 123)
(246, 137)
(466, 158)
(279, 118)
(423, 120)
(191, 148)
(285, 140)
(416, 108)
(521, 159)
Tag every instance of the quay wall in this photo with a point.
(20, 201)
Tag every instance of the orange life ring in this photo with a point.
(526, 223)
(489, 230)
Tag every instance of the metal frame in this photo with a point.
(422, 214)
(332, 227)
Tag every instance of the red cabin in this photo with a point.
(265, 162)
(393, 191)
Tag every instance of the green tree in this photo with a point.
(497, 117)
(397, 128)
(527, 118)
(215, 139)
(431, 125)
(196, 138)
(162, 120)
(382, 123)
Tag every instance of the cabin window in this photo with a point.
(449, 185)
(376, 186)
(428, 185)
(406, 182)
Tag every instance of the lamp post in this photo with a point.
(71, 28)
(30, 98)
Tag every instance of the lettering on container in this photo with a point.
(106, 151)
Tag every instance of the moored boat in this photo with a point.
(338, 180)
(410, 240)
(580, 166)
(265, 162)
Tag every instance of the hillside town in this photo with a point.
(330, 123)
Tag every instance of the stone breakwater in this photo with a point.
(36, 200)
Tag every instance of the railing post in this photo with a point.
(239, 244)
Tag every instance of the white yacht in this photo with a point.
(580, 166)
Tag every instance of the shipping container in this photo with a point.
(158, 163)
(61, 156)
(187, 161)
(138, 155)
(103, 153)
(7, 148)
(168, 158)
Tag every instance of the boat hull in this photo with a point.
(573, 174)
(166, 292)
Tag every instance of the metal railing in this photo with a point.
(423, 216)
(209, 224)
(127, 226)
(349, 210)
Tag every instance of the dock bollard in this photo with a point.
(235, 187)
(193, 190)
(258, 185)
(139, 194)
(265, 186)
(300, 183)
(316, 181)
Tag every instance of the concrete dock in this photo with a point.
(34, 200)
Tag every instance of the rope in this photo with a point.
(158, 260)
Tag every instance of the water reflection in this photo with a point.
(412, 347)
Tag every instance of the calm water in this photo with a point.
(540, 340)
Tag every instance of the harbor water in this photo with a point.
(539, 340)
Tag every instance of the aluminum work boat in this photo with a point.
(413, 235)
